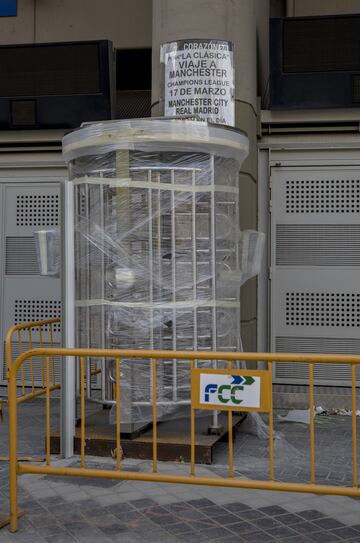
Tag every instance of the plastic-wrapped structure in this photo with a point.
(159, 258)
(47, 245)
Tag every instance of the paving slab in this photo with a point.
(60, 510)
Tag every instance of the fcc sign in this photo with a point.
(242, 390)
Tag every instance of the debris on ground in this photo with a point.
(343, 412)
(320, 410)
(303, 415)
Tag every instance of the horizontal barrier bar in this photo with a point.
(40, 392)
(192, 480)
(190, 355)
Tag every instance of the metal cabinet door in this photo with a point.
(315, 267)
(26, 206)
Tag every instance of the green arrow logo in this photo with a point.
(248, 380)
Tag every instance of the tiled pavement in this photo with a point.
(333, 451)
(89, 510)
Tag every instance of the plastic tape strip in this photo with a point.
(190, 304)
(116, 182)
(139, 138)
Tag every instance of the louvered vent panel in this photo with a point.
(317, 345)
(322, 196)
(320, 389)
(37, 210)
(34, 310)
(21, 256)
(313, 45)
(324, 372)
(323, 309)
(318, 245)
(36, 364)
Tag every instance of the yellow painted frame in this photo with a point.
(18, 467)
(29, 328)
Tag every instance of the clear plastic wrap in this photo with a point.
(156, 134)
(47, 245)
(159, 256)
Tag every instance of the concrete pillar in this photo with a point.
(233, 20)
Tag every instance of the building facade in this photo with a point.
(287, 308)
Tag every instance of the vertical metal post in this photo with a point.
(212, 252)
(271, 428)
(192, 428)
(118, 414)
(13, 451)
(151, 270)
(41, 358)
(47, 364)
(173, 282)
(87, 280)
(159, 242)
(230, 435)
(82, 410)
(312, 429)
(103, 364)
(88, 376)
(237, 267)
(22, 367)
(67, 420)
(354, 433)
(52, 358)
(194, 257)
(153, 367)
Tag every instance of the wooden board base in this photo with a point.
(173, 439)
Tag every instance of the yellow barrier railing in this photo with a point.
(194, 361)
(19, 335)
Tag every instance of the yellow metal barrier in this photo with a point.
(24, 332)
(197, 401)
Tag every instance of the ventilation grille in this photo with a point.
(320, 389)
(37, 210)
(322, 372)
(321, 44)
(317, 245)
(325, 372)
(323, 196)
(36, 364)
(36, 310)
(133, 104)
(322, 309)
(21, 256)
(317, 345)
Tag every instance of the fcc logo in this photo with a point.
(229, 390)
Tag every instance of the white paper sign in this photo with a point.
(199, 80)
(229, 390)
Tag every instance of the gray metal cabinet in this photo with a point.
(27, 203)
(315, 267)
